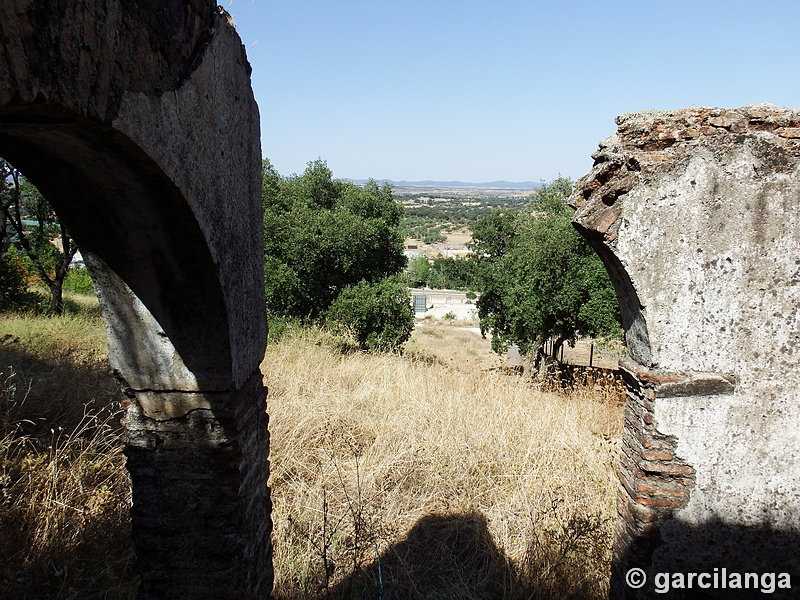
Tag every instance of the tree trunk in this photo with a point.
(62, 270)
(557, 347)
(57, 295)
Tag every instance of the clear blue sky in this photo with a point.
(480, 90)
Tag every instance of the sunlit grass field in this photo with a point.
(413, 477)
(393, 476)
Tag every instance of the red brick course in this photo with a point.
(654, 480)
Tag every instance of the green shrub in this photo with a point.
(434, 236)
(11, 283)
(278, 327)
(323, 234)
(79, 281)
(378, 315)
(418, 271)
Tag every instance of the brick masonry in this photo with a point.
(224, 505)
(654, 480)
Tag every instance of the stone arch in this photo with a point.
(692, 211)
(137, 122)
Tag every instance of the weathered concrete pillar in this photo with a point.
(694, 213)
(137, 121)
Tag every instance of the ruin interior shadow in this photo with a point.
(711, 545)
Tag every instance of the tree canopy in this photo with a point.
(323, 235)
(540, 280)
(378, 315)
(452, 273)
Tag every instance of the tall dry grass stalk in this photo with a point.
(401, 477)
(64, 491)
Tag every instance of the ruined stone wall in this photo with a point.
(694, 213)
(137, 121)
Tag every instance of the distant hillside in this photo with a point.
(498, 185)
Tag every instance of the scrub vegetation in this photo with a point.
(332, 250)
(403, 476)
(416, 476)
(64, 490)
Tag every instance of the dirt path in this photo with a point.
(466, 347)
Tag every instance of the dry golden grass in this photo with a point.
(64, 491)
(460, 237)
(459, 346)
(395, 476)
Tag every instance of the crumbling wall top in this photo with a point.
(694, 213)
(647, 142)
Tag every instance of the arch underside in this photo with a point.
(136, 226)
(137, 123)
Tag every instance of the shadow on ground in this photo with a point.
(64, 492)
(51, 385)
(453, 557)
(442, 556)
